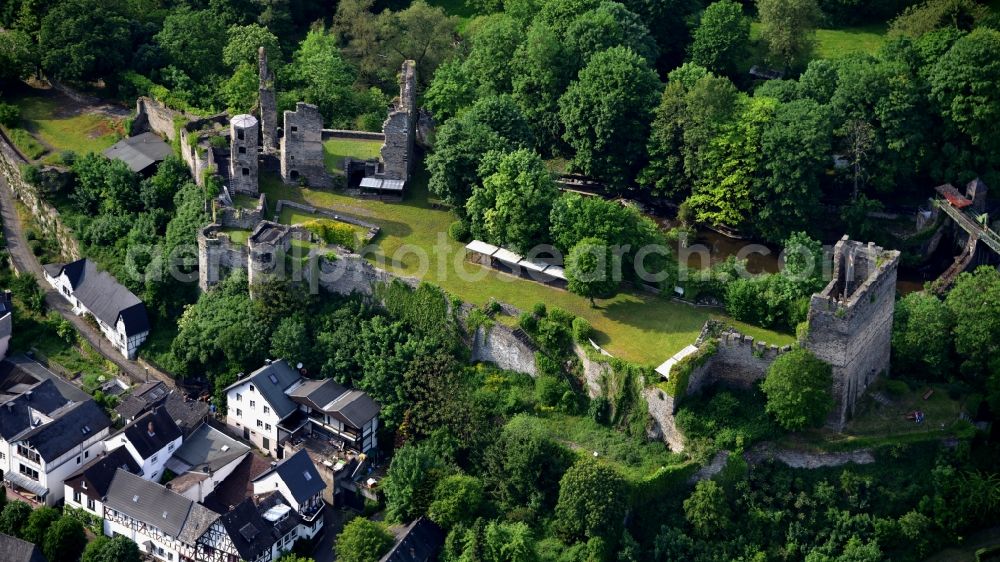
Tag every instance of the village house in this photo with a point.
(120, 314)
(87, 487)
(48, 429)
(276, 403)
(207, 457)
(188, 414)
(298, 481)
(151, 440)
(14, 549)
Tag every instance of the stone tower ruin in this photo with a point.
(268, 106)
(850, 321)
(243, 148)
(302, 147)
(400, 127)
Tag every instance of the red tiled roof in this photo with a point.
(953, 196)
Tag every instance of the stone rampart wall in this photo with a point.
(352, 135)
(46, 216)
(499, 345)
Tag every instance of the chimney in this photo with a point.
(168, 486)
(150, 430)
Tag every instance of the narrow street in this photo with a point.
(24, 260)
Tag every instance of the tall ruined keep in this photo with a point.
(302, 147)
(268, 106)
(850, 321)
(243, 154)
(400, 127)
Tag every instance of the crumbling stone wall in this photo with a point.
(232, 217)
(268, 106)
(153, 116)
(850, 321)
(399, 127)
(738, 361)
(499, 345)
(217, 256)
(662, 408)
(302, 147)
(46, 216)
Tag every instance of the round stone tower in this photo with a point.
(243, 143)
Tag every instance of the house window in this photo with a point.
(267, 410)
(251, 388)
(260, 423)
(78, 459)
(246, 172)
(240, 134)
(76, 496)
(27, 453)
(86, 454)
(29, 472)
(170, 447)
(2, 456)
(242, 150)
(239, 413)
(267, 427)
(253, 404)
(153, 459)
(294, 128)
(239, 397)
(90, 504)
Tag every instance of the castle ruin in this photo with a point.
(850, 321)
(267, 104)
(243, 154)
(399, 128)
(302, 147)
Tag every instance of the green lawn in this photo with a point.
(836, 43)
(241, 201)
(59, 125)
(335, 150)
(638, 327)
(236, 235)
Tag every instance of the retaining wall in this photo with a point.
(499, 345)
(46, 216)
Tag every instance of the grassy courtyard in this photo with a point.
(335, 150)
(51, 124)
(831, 43)
(636, 326)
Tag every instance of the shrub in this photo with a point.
(527, 321)
(493, 307)
(549, 390)
(599, 409)
(539, 309)
(459, 231)
(218, 141)
(332, 232)
(582, 330)
(10, 115)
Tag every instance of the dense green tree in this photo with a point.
(14, 518)
(38, 524)
(84, 41)
(65, 540)
(363, 540)
(974, 302)
(524, 466)
(199, 55)
(508, 542)
(606, 115)
(421, 33)
(803, 262)
(591, 270)
(712, 106)
(239, 92)
(721, 38)
(118, 549)
(322, 77)
(451, 90)
(436, 397)
(592, 502)
(410, 484)
(511, 207)
(457, 499)
(608, 25)
(798, 389)
(819, 81)
(18, 56)
(923, 18)
(669, 24)
(541, 72)
(290, 341)
(707, 509)
(788, 27)
(488, 65)
(244, 43)
(797, 143)
(962, 86)
(920, 343)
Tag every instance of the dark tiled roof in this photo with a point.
(157, 506)
(21, 368)
(252, 535)
(140, 152)
(300, 475)
(13, 549)
(75, 423)
(353, 407)
(15, 413)
(238, 486)
(188, 414)
(164, 431)
(99, 472)
(103, 295)
(272, 381)
(421, 542)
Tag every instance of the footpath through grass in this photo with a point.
(635, 326)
